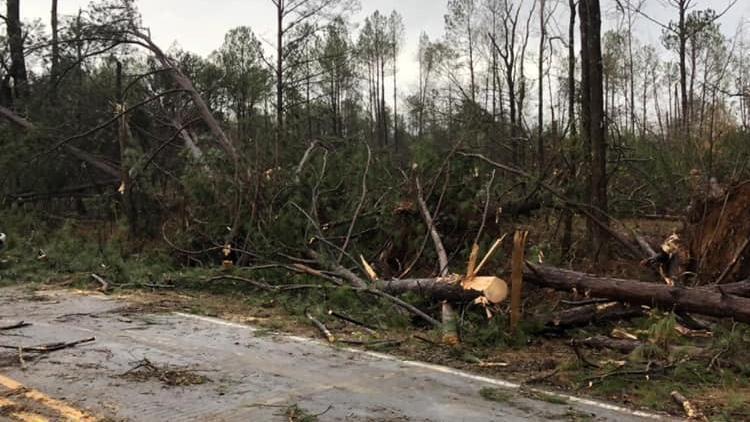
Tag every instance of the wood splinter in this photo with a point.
(691, 411)
(320, 326)
(104, 285)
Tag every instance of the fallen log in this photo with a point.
(438, 288)
(584, 315)
(700, 301)
(603, 342)
(740, 288)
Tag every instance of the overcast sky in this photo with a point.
(199, 25)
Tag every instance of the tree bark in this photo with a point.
(593, 120)
(682, 39)
(700, 301)
(540, 107)
(584, 315)
(54, 70)
(279, 74)
(572, 70)
(603, 342)
(438, 288)
(15, 42)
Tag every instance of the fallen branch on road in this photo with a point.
(47, 348)
(15, 326)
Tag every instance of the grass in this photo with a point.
(73, 253)
(545, 397)
(294, 413)
(496, 394)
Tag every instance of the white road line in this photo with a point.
(439, 368)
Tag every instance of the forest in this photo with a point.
(552, 182)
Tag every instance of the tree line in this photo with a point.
(101, 117)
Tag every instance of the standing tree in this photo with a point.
(244, 80)
(17, 71)
(592, 119)
(396, 30)
(540, 110)
(289, 15)
(338, 72)
(460, 25)
(54, 70)
(375, 52)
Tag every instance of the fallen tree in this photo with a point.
(438, 288)
(711, 302)
(595, 312)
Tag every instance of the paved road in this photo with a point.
(251, 377)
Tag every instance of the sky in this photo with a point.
(199, 25)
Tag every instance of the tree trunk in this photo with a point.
(55, 50)
(585, 315)
(540, 109)
(15, 42)
(439, 288)
(682, 38)
(126, 188)
(593, 120)
(384, 120)
(279, 79)
(395, 93)
(572, 70)
(700, 301)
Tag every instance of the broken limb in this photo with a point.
(104, 285)
(691, 411)
(519, 244)
(358, 210)
(15, 326)
(370, 329)
(47, 348)
(449, 323)
(320, 326)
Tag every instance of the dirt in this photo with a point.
(717, 230)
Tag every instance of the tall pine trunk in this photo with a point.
(593, 120)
